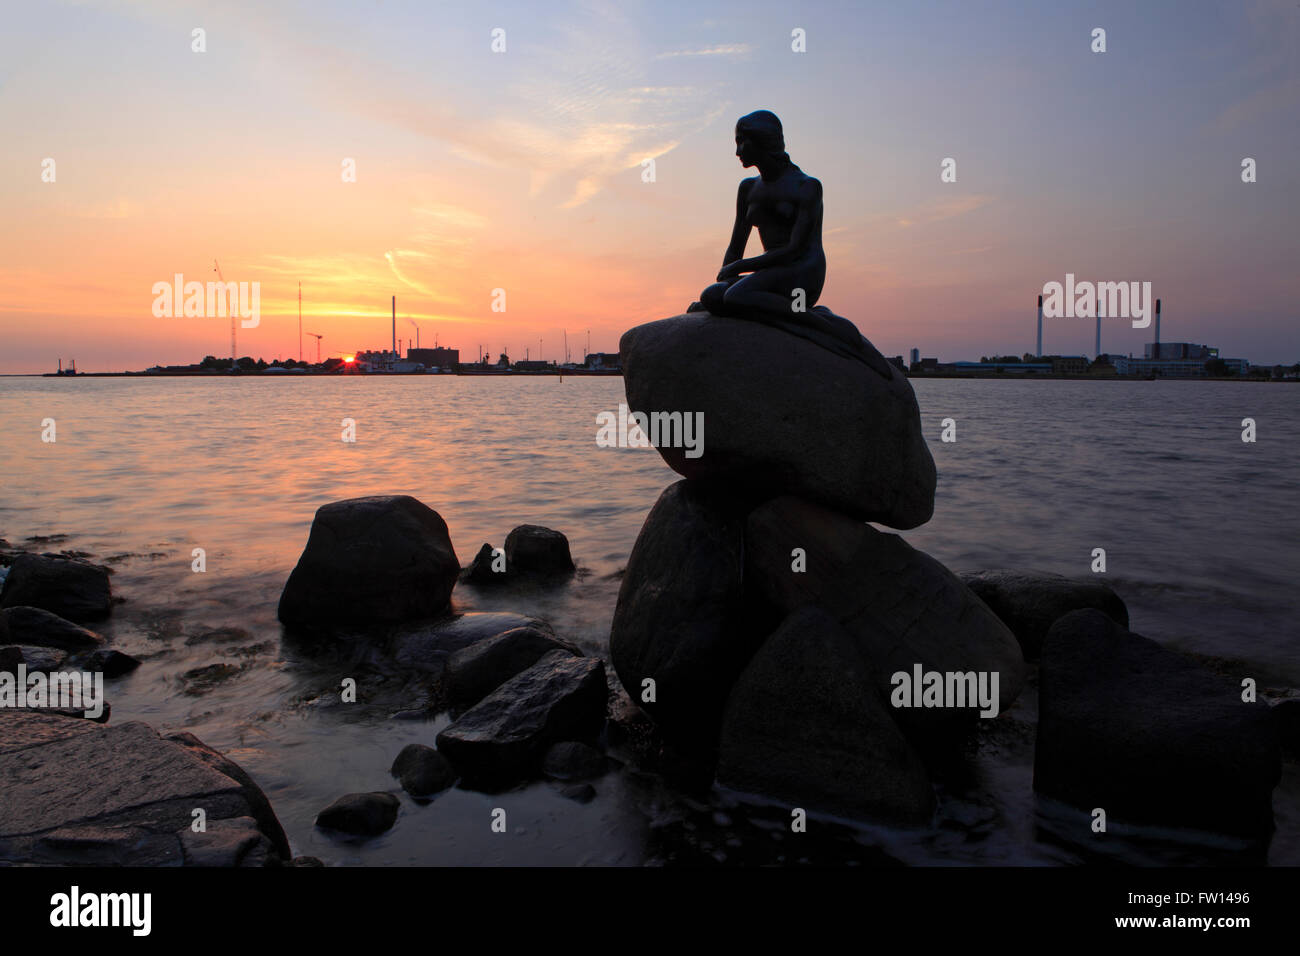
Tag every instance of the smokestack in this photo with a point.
(394, 327)
(1039, 352)
(1156, 351)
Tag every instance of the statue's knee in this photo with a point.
(714, 297)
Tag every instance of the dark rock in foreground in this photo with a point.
(39, 627)
(787, 417)
(806, 724)
(72, 589)
(505, 735)
(475, 671)
(1148, 735)
(371, 561)
(1287, 717)
(1030, 603)
(422, 770)
(574, 760)
(680, 618)
(35, 658)
(80, 793)
(361, 814)
(901, 606)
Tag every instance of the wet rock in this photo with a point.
(1029, 603)
(807, 724)
(72, 589)
(371, 561)
(574, 760)
(1287, 718)
(81, 793)
(480, 569)
(422, 770)
(475, 671)
(505, 735)
(536, 551)
(681, 614)
(1149, 735)
(234, 842)
(42, 628)
(789, 417)
(427, 648)
(361, 814)
(39, 658)
(110, 662)
(579, 793)
(202, 680)
(900, 606)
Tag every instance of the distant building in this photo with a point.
(434, 358)
(993, 368)
(1179, 351)
(1174, 368)
(1069, 364)
(533, 365)
(897, 362)
(916, 356)
(605, 360)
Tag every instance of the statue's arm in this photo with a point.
(739, 229)
(810, 198)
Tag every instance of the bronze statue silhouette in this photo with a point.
(780, 287)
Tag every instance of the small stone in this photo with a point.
(363, 814)
(422, 770)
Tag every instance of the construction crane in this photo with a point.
(317, 338)
(234, 366)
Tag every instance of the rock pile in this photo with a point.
(760, 618)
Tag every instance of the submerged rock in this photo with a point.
(1149, 735)
(39, 627)
(428, 647)
(371, 561)
(807, 724)
(788, 417)
(110, 662)
(72, 589)
(901, 607)
(422, 770)
(505, 735)
(35, 658)
(475, 671)
(361, 814)
(81, 793)
(1029, 603)
(681, 615)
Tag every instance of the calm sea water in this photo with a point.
(1200, 532)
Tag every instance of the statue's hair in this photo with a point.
(766, 129)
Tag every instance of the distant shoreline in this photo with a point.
(984, 376)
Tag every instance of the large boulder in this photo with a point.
(70, 588)
(80, 793)
(784, 416)
(1029, 603)
(368, 561)
(806, 724)
(901, 607)
(41, 628)
(680, 615)
(505, 736)
(1148, 735)
(475, 671)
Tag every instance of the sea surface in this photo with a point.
(1201, 533)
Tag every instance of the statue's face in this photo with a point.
(747, 149)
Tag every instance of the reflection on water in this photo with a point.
(1199, 531)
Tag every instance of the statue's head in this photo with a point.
(759, 137)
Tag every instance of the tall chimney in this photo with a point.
(1039, 353)
(1156, 351)
(394, 328)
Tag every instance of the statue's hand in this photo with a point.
(729, 271)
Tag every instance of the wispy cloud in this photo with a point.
(725, 49)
